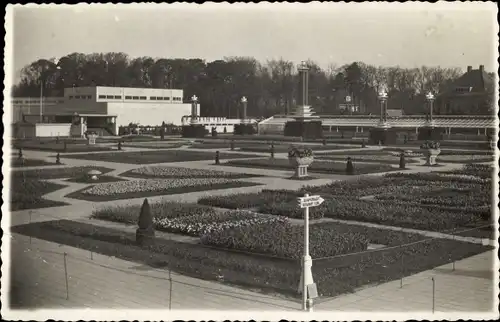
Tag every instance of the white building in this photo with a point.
(104, 109)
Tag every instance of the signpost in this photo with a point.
(307, 285)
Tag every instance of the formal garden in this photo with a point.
(255, 240)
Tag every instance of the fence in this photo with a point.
(72, 276)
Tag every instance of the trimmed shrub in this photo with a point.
(306, 130)
(244, 129)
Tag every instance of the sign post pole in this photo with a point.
(307, 285)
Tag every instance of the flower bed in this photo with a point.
(17, 163)
(333, 276)
(471, 158)
(56, 173)
(154, 145)
(59, 147)
(201, 224)
(159, 210)
(150, 157)
(281, 239)
(316, 166)
(154, 187)
(27, 194)
(177, 172)
(387, 159)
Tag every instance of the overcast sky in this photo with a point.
(449, 35)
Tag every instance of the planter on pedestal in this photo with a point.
(430, 150)
(301, 165)
(430, 155)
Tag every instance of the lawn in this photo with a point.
(283, 148)
(178, 172)
(150, 157)
(334, 276)
(57, 173)
(100, 179)
(154, 144)
(20, 163)
(71, 146)
(316, 166)
(27, 194)
(365, 157)
(154, 187)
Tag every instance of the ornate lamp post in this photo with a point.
(430, 99)
(194, 106)
(382, 96)
(244, 103)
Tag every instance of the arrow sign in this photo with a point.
(311, 201)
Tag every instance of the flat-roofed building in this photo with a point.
(106, 108)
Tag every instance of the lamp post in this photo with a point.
(244, 102)
(430, 99)
(56, 62)
(194, 106)
(382, 96)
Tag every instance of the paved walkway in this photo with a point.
(97, 281)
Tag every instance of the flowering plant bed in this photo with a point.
(178, 172)
(154, 187)
(282, 239)
(18, 163)
(333, 276)
(159, 210)
(300, 152)
(57, 173)
(201, 224)
(430, 145)
(471, 158)
(317, 166)
(28, 194)
(150, 157)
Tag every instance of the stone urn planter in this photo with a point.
(301, 162)
(430, 150)
(430, 155)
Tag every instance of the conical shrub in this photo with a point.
(145, 217)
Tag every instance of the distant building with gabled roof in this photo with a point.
(471, 93)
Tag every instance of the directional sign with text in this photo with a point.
(311, 201)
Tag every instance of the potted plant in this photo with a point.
(300, 158)
(431, 150)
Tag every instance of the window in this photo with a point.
(89, 97)
(143, 98)
(153, 98)
(77, 97)
(135, 97)
(166, 98)
(102, 96)
(110, 97)
(128, 97)
(159, 98)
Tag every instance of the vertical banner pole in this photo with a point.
(433, 294)
(170, 296)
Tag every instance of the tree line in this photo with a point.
(270, 87)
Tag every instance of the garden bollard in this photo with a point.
(20, 154)
(232, 145)
(217, 157)
(65, 146)
(324, 141)
(363, 144)
(272, 150)
(402, 269)
(66, 275)
(349, 166)
(58, 158)
(91, 255)
(119, 145)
